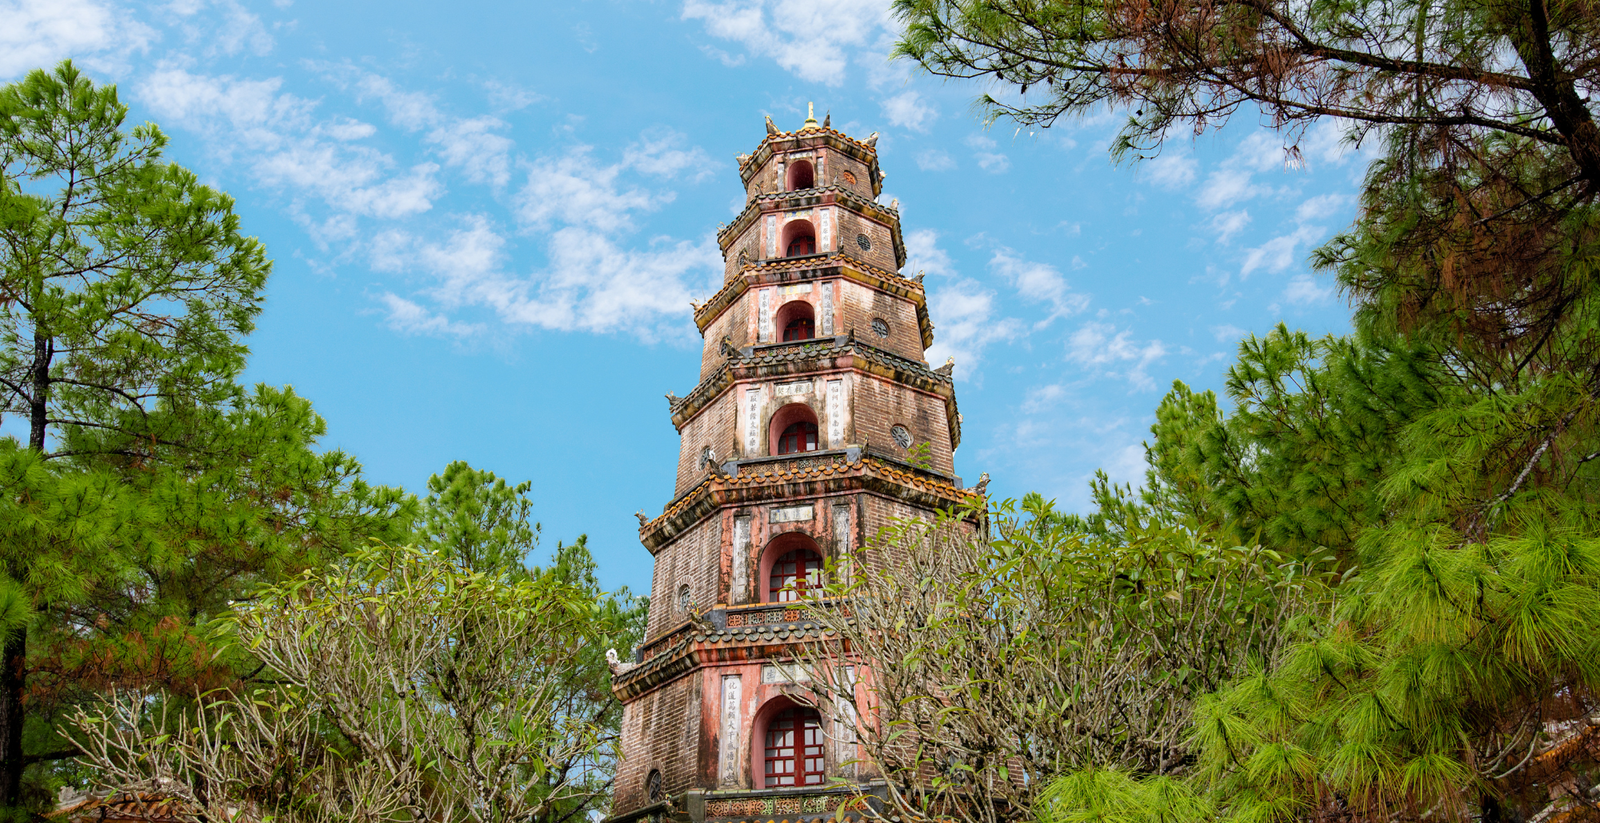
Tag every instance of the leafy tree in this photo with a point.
(152, 488)
(483, 523)
(1045, 649)
(411, 688)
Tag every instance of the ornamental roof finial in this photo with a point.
(811, 116)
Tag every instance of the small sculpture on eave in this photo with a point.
(771, 128)
(728, 350)
(643, 520)
(615, 663)
(948, 368)
(983, 484)
(827, 120)
(872, 140)
(673, 399)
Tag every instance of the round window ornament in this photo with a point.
(880, 327)
(901, 435)
(849, 178)
(653, 786)
(864, 242)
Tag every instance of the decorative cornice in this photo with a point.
(816, 267)
(763, 480)
(811, 198)
(820, 354)
(806, 138)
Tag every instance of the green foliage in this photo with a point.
(408, 688)
(479, 520)
(1044, 648)
(152, 488)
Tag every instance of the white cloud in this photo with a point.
(1227, 333)
(1043, 398)
(660, 152)
(992, 162)
(1226, 188)
(812, 39)
(475, 147)
(1279, 253)
(576, 190)
(40, 33)
(277, 137)
(407, 317)
(1171, 169)
(1303, 290)
(506, 97)
(935, 160)
(923, 254)
(1321, 206)
(968, 314)
(1229, 223)
(907, 110)
(1127, 465)
(590, 283)
(1101, 346)
(1040, 283)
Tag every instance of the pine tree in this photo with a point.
(152, 488)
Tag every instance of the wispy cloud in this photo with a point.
(1039, 283)
(814, 40)
(908, 110)
(1105, 349)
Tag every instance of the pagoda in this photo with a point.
(815, 423)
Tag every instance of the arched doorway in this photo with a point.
(796, 320)
(799, 176)
(793, 749)
(793, 430)
(799, 238)
(791, 564)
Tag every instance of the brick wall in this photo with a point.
(861, 305)
(660, 730)
(878, 404)
(714, 427)
(692, 558)
(881, 253)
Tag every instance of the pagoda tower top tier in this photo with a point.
(798, 172)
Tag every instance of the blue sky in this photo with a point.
(488, 220)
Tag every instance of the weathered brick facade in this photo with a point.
(824, 345)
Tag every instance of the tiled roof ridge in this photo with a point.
(861, 466)
(813, 130)
(714, 382)
(768, 196)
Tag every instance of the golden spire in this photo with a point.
(811, 116)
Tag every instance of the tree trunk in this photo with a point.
(14, 652)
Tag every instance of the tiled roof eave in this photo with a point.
(718, 491)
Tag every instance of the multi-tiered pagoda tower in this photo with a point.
(815, 423)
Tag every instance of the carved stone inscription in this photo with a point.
(825, 239)
(741, 557)
(793, 514)
(764, 331)
(827, 309)
(786, 389)
(728, 751)
(772, 235)
(752, 425)
(835, 413)
(784, 673)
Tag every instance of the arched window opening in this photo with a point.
(799, 238)
(793, 429)
(794, 748)
(653, 786)
(800, 176)
(798, 437)
(793, 573)
(796, 319)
